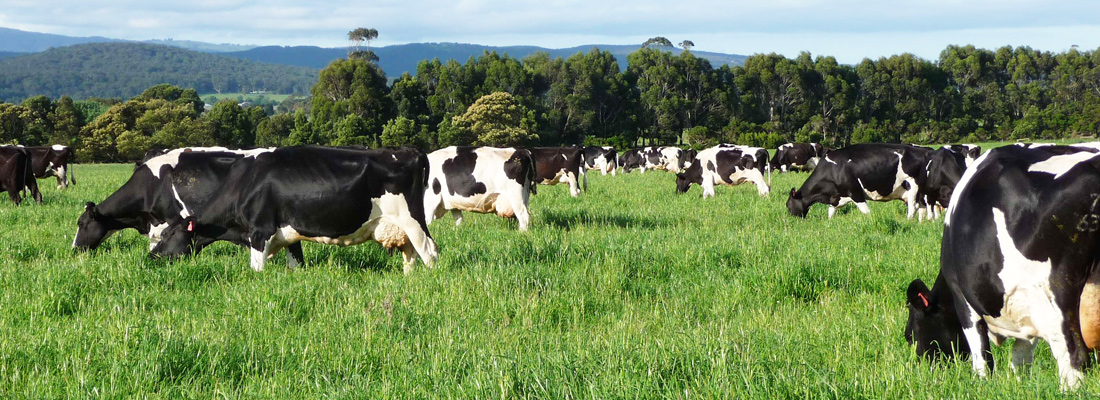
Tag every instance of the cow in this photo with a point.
(970, 152)
(632, 159)
(482, 180)
(603, 159)
(861, 172)
(1018, 259)
(725, 166)
(327, 195)
(665, 158)
(936, 181)
(47, 161)
(797, 157)
(175, 183)
(555, 165)
(149, 154)
(16, 175)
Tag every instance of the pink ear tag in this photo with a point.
(190, 226)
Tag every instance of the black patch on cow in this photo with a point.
(436, 187)
(710, 165)
(459, 172)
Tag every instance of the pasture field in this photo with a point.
(630, 291)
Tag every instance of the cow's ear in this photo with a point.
(795, 194)
(89, 205)
(918, 295)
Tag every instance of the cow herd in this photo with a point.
(1019, 255)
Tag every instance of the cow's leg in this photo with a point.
(574, 184)
(708, 186)
(1023, 353)
(1062, 331)
(976, 334)
(433, 206)
(32, 184)
(260, 247)
(457, 214)
(60, 174)
(841, 203)
(910, 197)
(14, 195)
(518, 201)
(420, 241)
(294, 256)
(757, 178)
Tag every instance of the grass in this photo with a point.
(631, 291)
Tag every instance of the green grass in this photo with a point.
(631, 291)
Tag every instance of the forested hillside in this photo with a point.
(398, 59)
(126, 69)
(10, 54)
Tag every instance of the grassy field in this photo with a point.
(631, 291)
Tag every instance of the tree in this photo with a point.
(496, 119)
(358, 35)
(350, 87)
(687, 45)
(402, 131)
(659, 41)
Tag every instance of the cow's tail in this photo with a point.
(532, 173)
(584, 173)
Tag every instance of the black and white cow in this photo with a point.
(632, 159)
(666, 158)
(47, 161)
(797, 157)
(1019, 257)
(16, 175)
(173, 184)
(555, 165)
(861, 172)
(603, 159)
(970, 152)
(725, 166)
(937, 180)
(481, 180)
(327, 195)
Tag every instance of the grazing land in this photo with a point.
(630, 291)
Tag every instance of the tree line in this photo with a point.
(662, 97)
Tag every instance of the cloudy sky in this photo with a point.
(847, 29)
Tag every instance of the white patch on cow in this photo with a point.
(827, 159)
(968, 175)
(863, 208)
(254, 152)
(171, 159)
(183, 207)
(1060, 164)
(786, 146)
(58, 147)
(155, 234)
(1029, 309)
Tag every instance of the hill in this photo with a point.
(126, 69)
(10, 54)
(397, 59)
(14, 40)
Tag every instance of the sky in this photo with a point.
(850, 30)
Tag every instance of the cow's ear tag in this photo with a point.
(191, 228)
(923, 299)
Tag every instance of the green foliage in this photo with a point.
(402, 131)
(350, 87)
(497, 120)
(275, 131)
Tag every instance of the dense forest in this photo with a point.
(662, 97)
(126, 69)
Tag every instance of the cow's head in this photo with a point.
(933, 325)
(178, 239)
(92, 228)
(796, 204)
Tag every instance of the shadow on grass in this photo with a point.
(569, 219)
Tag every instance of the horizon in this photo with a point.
(849, 30)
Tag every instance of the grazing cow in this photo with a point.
(555, 165)
(47, 161)
(937, 180)
(797, 157)
(632, 159)
(689, 157)
(970, 152)
(1018, 259)
(603, 159)
(665, 158)
(16, 174)
(861, 172)
(175, 183)
(149, 154)
(481, 180)
(328, 195)
(725, 166)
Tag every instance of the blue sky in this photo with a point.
(847, 29)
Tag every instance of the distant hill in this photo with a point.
(126, 69)
(398, 59)
(14, 40)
